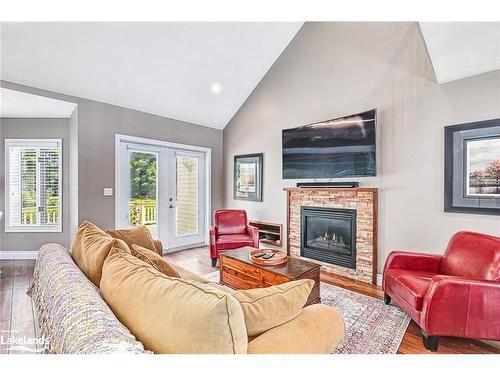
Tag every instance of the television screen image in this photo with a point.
(343, 147)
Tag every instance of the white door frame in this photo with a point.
(119, 138)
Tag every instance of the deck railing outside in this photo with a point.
(143, 211)
(29, 215)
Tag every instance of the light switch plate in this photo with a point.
(108, 192)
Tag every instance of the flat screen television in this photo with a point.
(343, 147)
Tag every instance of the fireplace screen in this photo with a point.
(329, 235)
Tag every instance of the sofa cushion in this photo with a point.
(230, 241)
(411, 286)
(317, 330)
(90, 247)
(170, 315)
(266, 308)
(154, 259)
(186, 274)
(137, 235)
(158, 246)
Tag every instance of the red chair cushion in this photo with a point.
(411, 286)
(233, 241)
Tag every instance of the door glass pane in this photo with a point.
(187, 195)
(143, 202)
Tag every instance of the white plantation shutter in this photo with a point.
(34, 176)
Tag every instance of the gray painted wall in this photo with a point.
(97, 125)
(37, 129)
(335, 69)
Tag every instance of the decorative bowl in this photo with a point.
(279, 257)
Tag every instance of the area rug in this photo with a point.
(371, 326)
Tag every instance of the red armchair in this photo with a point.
(457, 294)
(231, 231)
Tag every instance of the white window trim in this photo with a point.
(32, 228)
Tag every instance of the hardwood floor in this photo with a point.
(16, 309)
(17, 317)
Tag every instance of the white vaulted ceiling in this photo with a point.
(195, 72)
(22, 105)
(462, 49)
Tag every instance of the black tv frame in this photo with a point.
(333, 177)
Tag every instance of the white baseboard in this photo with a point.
(22, 254)
(379, 279)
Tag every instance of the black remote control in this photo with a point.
(259, 255)
(268, 256)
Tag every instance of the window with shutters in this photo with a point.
(33, 185)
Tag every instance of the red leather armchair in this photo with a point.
(231, 231)
(457, 294)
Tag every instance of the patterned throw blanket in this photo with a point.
(72, 316)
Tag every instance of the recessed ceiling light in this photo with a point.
(216, 88)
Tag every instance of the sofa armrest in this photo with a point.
(57, 281)
(158, 247)
(413, 261)
(461, 307)
(254, 233)
(316, 330)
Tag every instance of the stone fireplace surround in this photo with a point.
(363, 200)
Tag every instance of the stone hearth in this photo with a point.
(363, 200)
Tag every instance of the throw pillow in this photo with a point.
(137, 235)
(266, 308)
(90, 248)
(171, 315)
(155, 260)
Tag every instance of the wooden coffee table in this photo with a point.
(238, 272)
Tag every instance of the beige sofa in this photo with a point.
(185, 314)
(191, 315)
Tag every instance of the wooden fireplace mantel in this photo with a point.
(372, 190)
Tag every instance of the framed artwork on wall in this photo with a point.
(247, 183)
(472, 168)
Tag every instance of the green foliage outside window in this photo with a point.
(142, 176)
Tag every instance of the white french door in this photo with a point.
(186, 197)
(163, 188)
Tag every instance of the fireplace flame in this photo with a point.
(334, 239)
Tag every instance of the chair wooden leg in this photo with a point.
(214, 262)
(387, 298)
(430, 342)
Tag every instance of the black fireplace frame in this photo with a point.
(329, 213)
